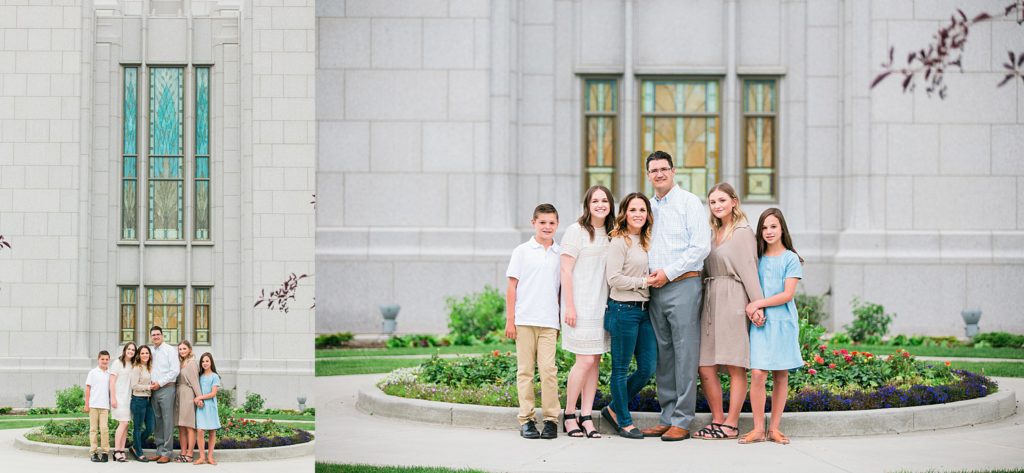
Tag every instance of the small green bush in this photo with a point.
(810, 307)
(310, 411)
(70, 400)
(810, 338)
(869, 319)
(476, 318)
(999, 340)
(6, 410)
(225, 399)
(38, 411)
(333, 340)
(253, 403)
(840, 338)
(414, 341)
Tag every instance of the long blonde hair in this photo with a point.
(622, 228)
(738, 217)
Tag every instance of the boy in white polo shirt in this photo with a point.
(97, 404)
(531, 305)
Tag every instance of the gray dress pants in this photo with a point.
(675, 315)
(163, 409)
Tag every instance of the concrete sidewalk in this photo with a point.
(15, 460)
(346, 435)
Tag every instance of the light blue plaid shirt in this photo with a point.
(681, 237)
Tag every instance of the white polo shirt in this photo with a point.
(99, 388)
(537, 270)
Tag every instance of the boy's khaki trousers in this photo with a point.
(536, 345)
(98, 418)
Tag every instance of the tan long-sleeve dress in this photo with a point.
(730, 283)
(186, 392)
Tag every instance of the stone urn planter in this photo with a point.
(390, 313)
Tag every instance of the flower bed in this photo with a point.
(835, 380)
(235, 434)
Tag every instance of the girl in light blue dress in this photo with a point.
(207, 418)
(775, 344)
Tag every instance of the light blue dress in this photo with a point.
(776, 344)
(206, 416)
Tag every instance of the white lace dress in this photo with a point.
(589, 289)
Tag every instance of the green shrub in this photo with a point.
(70, 400)
(333, 340)
(810, 307)
(999, 340)
(898, 341)
(225, 399)
(413, 341)
(810, 338)
(310, 411)
(253, 403)
(840, 338)
(473, 318)
(38, 411)
(492, 368)
(869, 319)
(6, 410)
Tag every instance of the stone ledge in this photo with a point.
(990, 408)
(235, 455)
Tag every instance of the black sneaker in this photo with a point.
(550, 430)
(95, 458)
(528, 430)
(103, 458)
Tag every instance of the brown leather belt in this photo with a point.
(691, 274)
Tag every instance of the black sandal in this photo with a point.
(591, 434)
(571, 433)
(713, 431)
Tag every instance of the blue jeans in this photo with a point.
(142, 414)
(632, 335)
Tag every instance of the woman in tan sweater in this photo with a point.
(184, 409)
(626, 317)
(730, 283)
(142, 410)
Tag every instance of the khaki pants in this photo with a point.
(536, 345)
(98, 418)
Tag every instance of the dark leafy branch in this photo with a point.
(278, 298)
(946, 52)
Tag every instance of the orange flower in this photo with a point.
(854, 353)
(948, 363)
(818, 359)
(497, 353)
(832, 365)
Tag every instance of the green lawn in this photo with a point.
(310, 426)
(275, 416)
(954, 352)
(21, 424)
(1008, 369)
(332, 468)
(43, 416)
(458, 350)
(345, 366)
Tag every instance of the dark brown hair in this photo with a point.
(545, 209)
(622, 228)
(138, 358)
(213, 366)
(787, 242)
(584, 220)
(103, 353)
(658, 155)
(124, 351)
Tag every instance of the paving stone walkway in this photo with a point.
(349, 436)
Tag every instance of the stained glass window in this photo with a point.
(201, 316)
(130, 156)
(760, 110)
(129, 312)
(166, 149)
(600, 97)
(682, 118)
(202, 157)
(166, 307)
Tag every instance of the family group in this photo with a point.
(683, 294)
(156, 387)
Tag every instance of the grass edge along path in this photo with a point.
(348, 366)
(1006, 369)
(425, 351)
(937, 351)
(348, 468)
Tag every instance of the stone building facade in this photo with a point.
(158, 167)
(442, 123)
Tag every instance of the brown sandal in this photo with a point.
(778, 437)
(753, 437)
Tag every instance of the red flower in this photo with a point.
(823, 347)
(868, 355)
(812, 371)
(948, 363)
(843, 351)
(835, 352)
(854, 353)
(832, 365)
(497, 353)
(848, 358)
(818, 359)
(906, 354)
